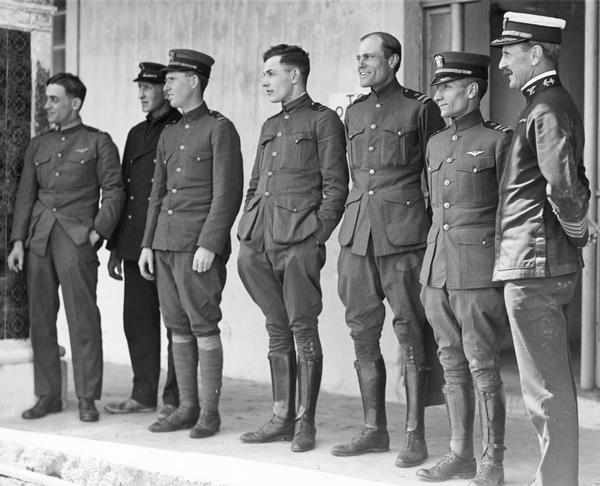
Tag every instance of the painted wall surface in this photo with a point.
(114, 35)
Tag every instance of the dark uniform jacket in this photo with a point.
(139, 158)
(197, 188)
(387, 133)
(300, 177)
(544, 190)
(464, 165)
(62, 176)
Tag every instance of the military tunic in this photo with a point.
(141, 314)
(384, 230)
(195, 197)
(294, 201)
(541, 225)
(464, 307)
(57, 206)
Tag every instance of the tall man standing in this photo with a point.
(541, 226)
(465, 309)
(141, 313)
(296, 198)
(196, 194)
(59, 221)
(383, 238)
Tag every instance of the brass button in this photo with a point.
(270, 173)
(378, 105)
(131, 197)
(371, 171)
(178, 169)
(129, 179)
(170, 212)
(373, 126)
(131, 161)
(129, 216)
(174, 191)
(279, 134)
(475, 170)
(371, 193)
(63, 139)
(371, 148)
(399, 132)
(295, 210)
(154, 161)
(454, 138)
(54, 210)
(483, 242)
(181, 147)
(286, 116)
(267, 194)
(446, 205)
(187, 126)
(274, 154)
(446, 182)
(446, 227)
(408, 203)
(57, 174)
(59, 155)
(429, 169)
(449, 160)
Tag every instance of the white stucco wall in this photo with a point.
(114, 35)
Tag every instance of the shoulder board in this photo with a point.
(217, 115)
(317, 106)
(359, 98)
(92, 129)
(497, 126)
(439, 131)
(415, 95)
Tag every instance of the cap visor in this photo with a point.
(446, 78)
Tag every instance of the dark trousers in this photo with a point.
(469, 326)
(536, 311)
(285, 284)
(75, 269)
(189, 301)
(141, 322)
(364, 282)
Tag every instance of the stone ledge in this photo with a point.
(92, 462)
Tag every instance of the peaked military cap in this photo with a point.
(521, 27)
(453, 65)
(151, 72)
(189, 60)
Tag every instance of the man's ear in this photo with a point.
(394, 60)
(536, 53)
(76, 103)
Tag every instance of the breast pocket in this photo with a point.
(399, 145)
(436, 184)
(404, 216)
(42, 171)
(79, 170)
(476, 180)
(476, 253)
(197, 167)
(299, 151)
(294, 219)
(354, 137)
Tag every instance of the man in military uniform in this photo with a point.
(196, 194)
(141, 313)
(296, 198)
(383, 238)
(464, 307)
(541, 226)
(58, 219)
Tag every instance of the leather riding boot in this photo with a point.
(492, 413)
(309, 383)
(374, 436)
(283, 380)
(460, 461)
(415, 385)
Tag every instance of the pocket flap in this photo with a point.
(398, 130)
(267, 138)
(477, 164)
(42, 160)
(295, 204)
(200, 156)
(298, 137)
(355, 131)
(475, 236)
(253, 202)
(354, 196)
(82, 157)
(407, 198)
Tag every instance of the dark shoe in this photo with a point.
(128, 406)
(369, 440)
(182, 418)
(449, 467)
(304, 437)
(87, 410)
(45, 405)
(207, 426)
(415, 451)
(275, 429)
(166, 411)
(489, 473)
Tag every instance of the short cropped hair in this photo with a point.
(72, 84)
(482, 85)
(551, 51)
(389, 44)
(203, 79)
(293, 56)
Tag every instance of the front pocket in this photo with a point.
(79, 170)
(197, 168)
(248, 219)
(476, 179)
(294, 219)
(404, 217)
(42, 171)
(346, 234)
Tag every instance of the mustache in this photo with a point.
(506, 72)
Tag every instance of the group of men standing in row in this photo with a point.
(490, 223)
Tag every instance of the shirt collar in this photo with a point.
(389, 89)
(196, 112)
(64, 128)
(156, 121)
(467, 121)
(552, 72)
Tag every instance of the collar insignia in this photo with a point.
(531, 90)
(548, 81)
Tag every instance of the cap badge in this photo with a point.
(439, 61)
(171, 56)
